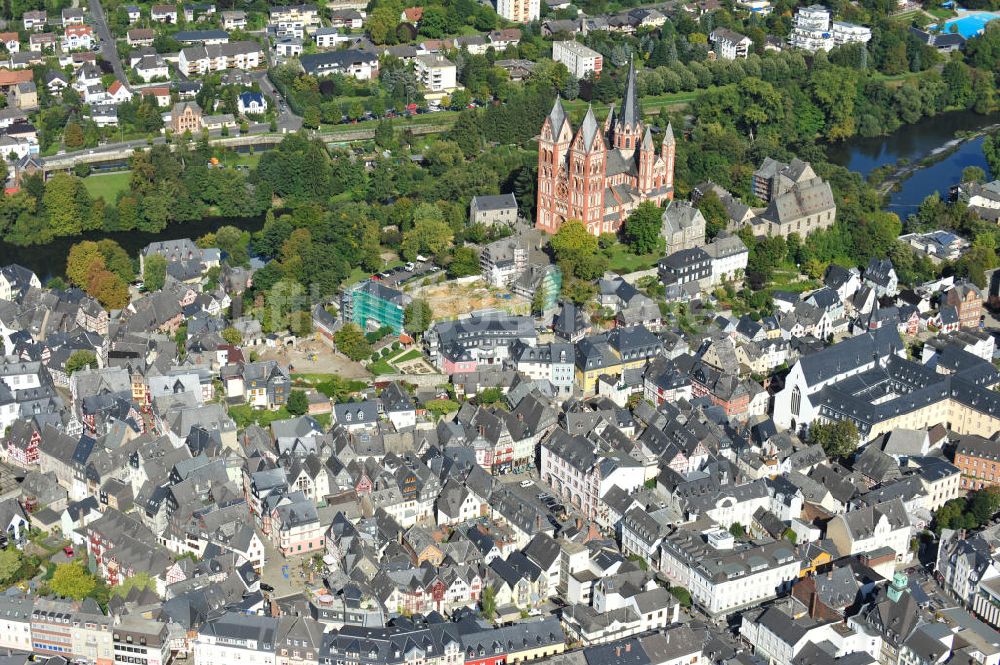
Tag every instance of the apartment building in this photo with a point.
(551, 362)
(372, 305)
(201, 60)
(518, 11)
(724, 577)
(237, 638)
(435, 72)
(730, 45)
(579, 59)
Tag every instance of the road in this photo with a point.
(287, 121)
(109, 49)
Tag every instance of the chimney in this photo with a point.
(628, 647)
(829, 574)
(813, 603)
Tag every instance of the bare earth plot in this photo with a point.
(450, 300)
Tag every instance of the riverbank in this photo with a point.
(935, 156)
(49, 260)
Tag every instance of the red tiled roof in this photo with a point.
(9, 77)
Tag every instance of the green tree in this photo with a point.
(83, 261)
(973, 174)
(154, 272)
(79, 360)
(232, 335)
(491, 396)
(311, 117)
(489, 603)
(298, 403)
(350, 341)
(838, 438)
(417, 316)
(73, 136)
(116, 260)
(11, 561)
(430, 233)
(72, 581)
(715, 214)
(682, 595)
(464, 262)
(576, 251)
(140, 581)
(642, 228)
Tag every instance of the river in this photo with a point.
(913, 143)
(49, 260)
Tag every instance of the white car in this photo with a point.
(525, 483)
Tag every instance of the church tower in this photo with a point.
(647, 162)
(628, 122)
(667, 151)
(588, 154)
(553, 144)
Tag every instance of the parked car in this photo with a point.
(68, 551)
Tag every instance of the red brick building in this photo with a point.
(979, 461)
(968, 302)
(598, 176)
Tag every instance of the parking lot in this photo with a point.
(400, 275)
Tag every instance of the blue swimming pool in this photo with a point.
(971, 24)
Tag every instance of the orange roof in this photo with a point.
(114, 87)
(79, 30)
(158, 91)
(8, 77)
(9, 37)
(413, 14)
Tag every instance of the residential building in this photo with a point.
(362, 65)
(724, 577)
(185, 117)
(201, 60)
(579, 60)
(811, 29)
(730, 45)
(372, 306)
(873, 527)
(978, 460)
(518, 11)
(435, 72)
(464, 344)
(236, 637)
(620, 165)
(967, 300)
(683, 226)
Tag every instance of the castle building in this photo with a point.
(598, 176)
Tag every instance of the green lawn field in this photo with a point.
(107, 185)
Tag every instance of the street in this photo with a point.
(109, 49)
(287, 121)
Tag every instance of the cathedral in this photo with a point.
(598, 176)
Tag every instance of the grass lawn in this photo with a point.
(381, 366)
(315, 378)
(412, 354)
(621, 260)
(244, 415)
(941, 13)
(107, 185)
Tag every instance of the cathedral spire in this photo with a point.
(668, 135)
(631, 114)
(557, 116)
(589, 128)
